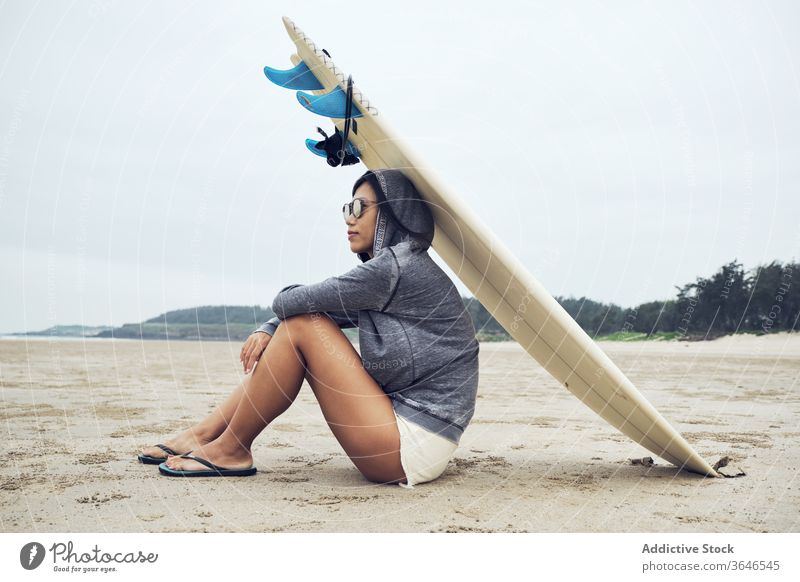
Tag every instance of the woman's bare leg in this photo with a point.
(207, 429)
(356, 408)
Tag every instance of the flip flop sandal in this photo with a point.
(148, 460)
(215, 471)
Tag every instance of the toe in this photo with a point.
(153, 452)
(180, 464)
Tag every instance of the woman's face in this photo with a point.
(361, 230)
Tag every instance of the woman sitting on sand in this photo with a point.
(400, 407)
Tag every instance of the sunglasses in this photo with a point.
(356, 207)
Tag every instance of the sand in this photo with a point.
(534, 458)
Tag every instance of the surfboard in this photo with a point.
(520, 303)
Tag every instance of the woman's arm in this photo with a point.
(342, 318)
(370, 285)
(268, 326)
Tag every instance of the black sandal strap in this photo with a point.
(203, 461)
(167, 450)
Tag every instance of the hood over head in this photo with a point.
(402, 212)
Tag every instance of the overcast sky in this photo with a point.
(618, 149)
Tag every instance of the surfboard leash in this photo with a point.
(335, 146)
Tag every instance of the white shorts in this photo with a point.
(423, 454)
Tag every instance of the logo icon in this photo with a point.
(31, 555)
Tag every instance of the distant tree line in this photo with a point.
(216, 314)
(762, 300)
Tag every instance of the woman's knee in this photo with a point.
(315, 327)
(302, 320)
(299, 324)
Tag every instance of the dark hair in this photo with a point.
(372, 180)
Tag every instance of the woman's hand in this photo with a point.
(252, 349)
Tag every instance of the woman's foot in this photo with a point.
(216, 453)
(185, 442)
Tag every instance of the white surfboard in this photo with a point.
(502, 284)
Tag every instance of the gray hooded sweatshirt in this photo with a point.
(415, 336)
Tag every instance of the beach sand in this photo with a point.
(534, 458)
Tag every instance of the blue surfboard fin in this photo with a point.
(310, 143)
(298, 77)
(332, 104)
(320, 151)
(331, 148)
